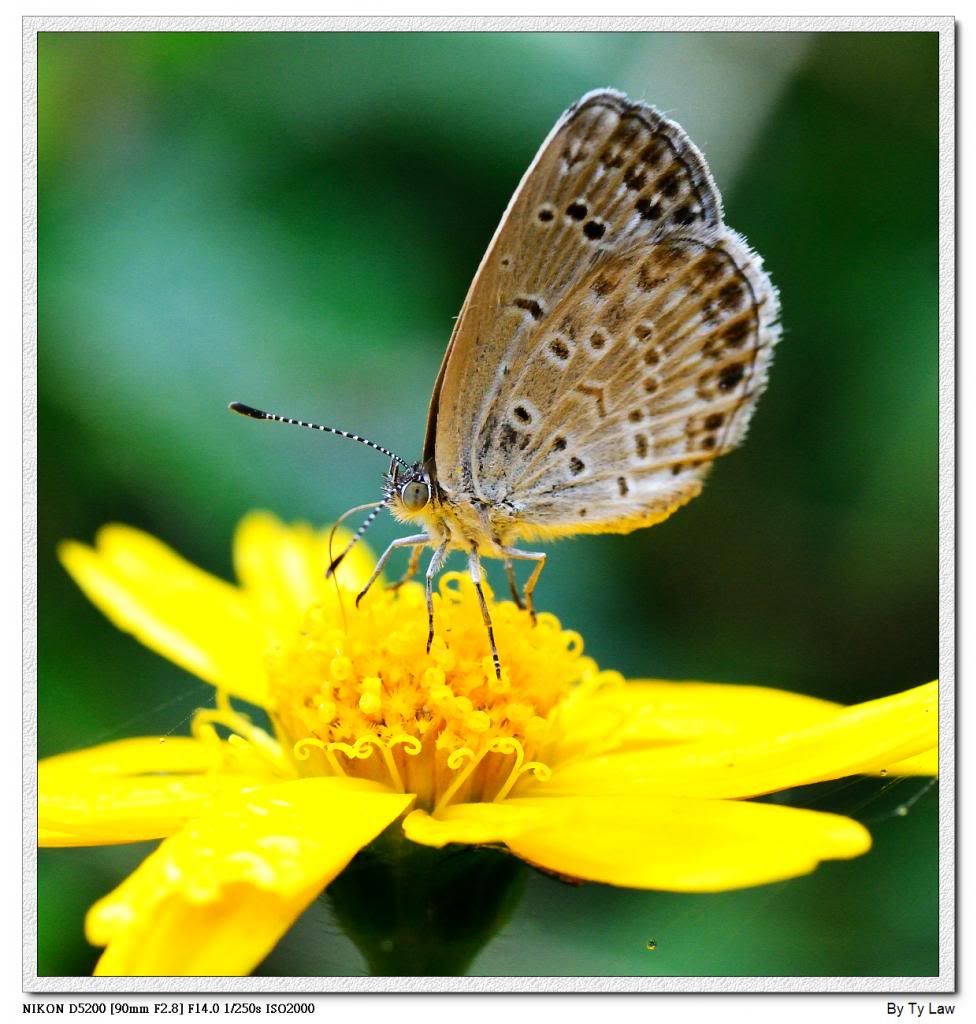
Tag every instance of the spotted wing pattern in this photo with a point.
(614, 340)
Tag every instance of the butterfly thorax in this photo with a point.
(413, 494)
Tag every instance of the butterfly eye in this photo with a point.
(415, 495)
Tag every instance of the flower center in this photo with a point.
(358, 694)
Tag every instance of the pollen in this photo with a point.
(358, 694)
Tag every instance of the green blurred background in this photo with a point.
(293, 220)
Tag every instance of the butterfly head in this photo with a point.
(408, 490)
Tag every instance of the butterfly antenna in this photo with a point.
(334, 564)
(258, 414)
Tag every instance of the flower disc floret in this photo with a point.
(360, 695)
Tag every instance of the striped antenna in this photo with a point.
(375, 506)
(258, 414)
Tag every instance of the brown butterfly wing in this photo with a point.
(611, 417)
(610, 291)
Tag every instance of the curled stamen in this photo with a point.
(362, 749)
(541, 771)
(508, 745)
(454, 760)
(344, 748)
(457, 756)
(256, 741)
(363, 745)
(302, 753)
(267, 746)
(302, 750)
(330, 755)
(410, 744)
(201, 727)
(411, 747)
(205, 719)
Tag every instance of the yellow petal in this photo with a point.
(48, 837)
(921, 764)
(865, 738)
(129, 810)
(132, 790)
(282, 567)
(652, 843)
(485, 822)
(196, 620)
(656, 712)
(229, 937)
(141, 755)
(216, 897)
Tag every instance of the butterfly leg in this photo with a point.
(432, 570)
(539, 557)
(411, 569)
(474, 566)
(403, 542)
(513, 585)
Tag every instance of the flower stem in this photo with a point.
(416, 910)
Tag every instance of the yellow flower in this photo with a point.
(640, 784)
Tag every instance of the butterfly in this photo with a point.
(612, 345)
